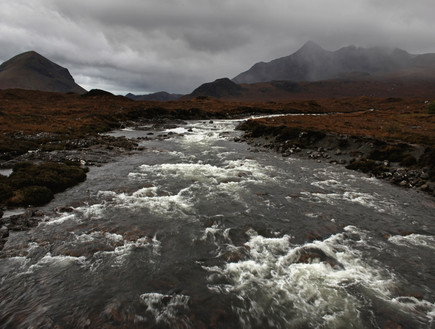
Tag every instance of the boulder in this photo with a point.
(308, 255)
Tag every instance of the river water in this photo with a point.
(197, 231)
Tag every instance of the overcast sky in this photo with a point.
(143, 46)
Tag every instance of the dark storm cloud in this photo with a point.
(175, 45)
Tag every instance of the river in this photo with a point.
(198, 231)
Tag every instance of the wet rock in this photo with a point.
(4, 232)
(65, 209)
(424, 187)
(312, 236)
(116, 313)
(390, 324)
(136, 233)
(311, 254)
(367, 166)
(342, 161)
(237, 254)
(87, 249)
(21, 222)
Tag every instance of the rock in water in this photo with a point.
(309, 254)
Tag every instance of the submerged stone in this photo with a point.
(309, 255)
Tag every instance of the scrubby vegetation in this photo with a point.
(31, 196)
(35, 184)
(431, 108)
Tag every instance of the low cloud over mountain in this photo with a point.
(313, 63)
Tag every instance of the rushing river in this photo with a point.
(197, 231)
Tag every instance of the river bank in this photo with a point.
(405, 164)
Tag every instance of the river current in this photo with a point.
(198, 231)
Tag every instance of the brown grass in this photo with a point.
(405, 120)
(33, 112)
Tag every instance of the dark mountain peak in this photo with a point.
(224, 82)
(97, 93)
(30, 53)
(26, 55)
(30, 70)
(30, 58)
(219, 88)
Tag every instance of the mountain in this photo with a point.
(313, 63)
(396, 87)
(32, 71)
(220, 88)
(161, 96)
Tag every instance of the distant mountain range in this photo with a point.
(286, 90)
(33, 71)
(313, 72)
(313, 63)
(161, 96)
(310, 72)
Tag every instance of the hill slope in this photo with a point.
(161, 96)
(32, 71)
(220, 88)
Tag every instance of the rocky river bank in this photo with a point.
(402, 164)
(31, 179)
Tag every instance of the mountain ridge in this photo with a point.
(313, 63)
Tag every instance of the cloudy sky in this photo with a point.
(143, 46)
